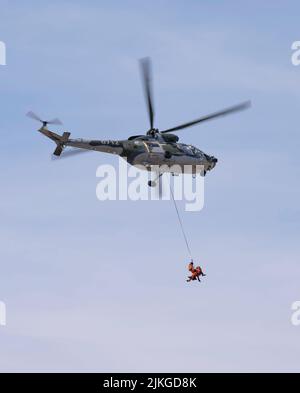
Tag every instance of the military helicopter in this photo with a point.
(155, 148)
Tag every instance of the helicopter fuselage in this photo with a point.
(148, 152)
(156, 148)
(144, 152)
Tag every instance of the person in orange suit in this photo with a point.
(195, 272)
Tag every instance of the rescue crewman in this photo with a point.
(195, 272)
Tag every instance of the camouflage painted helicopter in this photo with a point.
(155, 148)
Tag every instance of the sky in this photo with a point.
(100, 286)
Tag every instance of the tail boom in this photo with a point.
(109, 146)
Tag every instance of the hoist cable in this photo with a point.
(181, 223)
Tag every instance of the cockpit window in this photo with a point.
(191, 150)
(186, 149)
(197, 152)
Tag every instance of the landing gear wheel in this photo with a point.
(152, 183)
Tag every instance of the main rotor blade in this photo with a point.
(225, 112)
(147, 84)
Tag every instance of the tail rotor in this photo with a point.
(60, 140)
(33, 116)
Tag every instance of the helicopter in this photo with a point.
(156, 148)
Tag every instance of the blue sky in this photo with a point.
(93, 286)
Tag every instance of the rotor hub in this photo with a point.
(153, 132)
